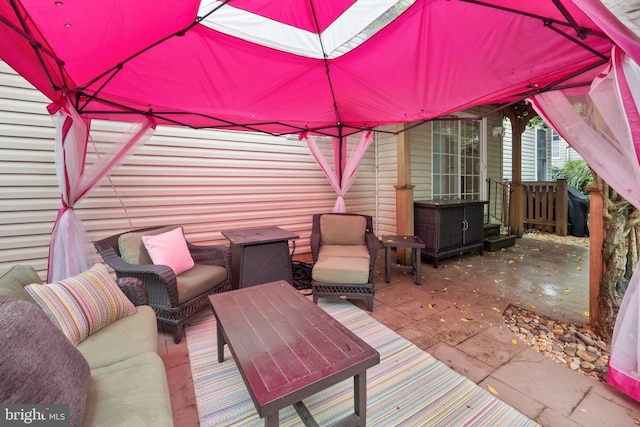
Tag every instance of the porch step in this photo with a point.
(491, 230)
(495, 243)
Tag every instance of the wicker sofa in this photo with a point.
(343, 249)
(114, 377)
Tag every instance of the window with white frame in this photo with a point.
(457, 159)
(555, 144)
(541, 154)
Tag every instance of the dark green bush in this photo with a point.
(576, 172)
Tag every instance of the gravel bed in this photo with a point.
(575, 346)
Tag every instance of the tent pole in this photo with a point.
(340, 148)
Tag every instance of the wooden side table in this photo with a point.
(259, 255)
(414, 242)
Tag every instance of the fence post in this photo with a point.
(516, 208)
(562, 207)
(596, 238)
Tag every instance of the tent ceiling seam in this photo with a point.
(326, 62)
(530, 15)
(38, 48)
(166, 117)
(549, 25)
(521, 97)
(581, 32)
(179, 33)
(90, 98)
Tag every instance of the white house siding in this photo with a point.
(528, 153)
(494, 160)
(205, 180)
(387, 157)
(421, 158)
(565, 154)
(387, 179)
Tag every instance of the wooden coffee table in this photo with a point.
(287, 349)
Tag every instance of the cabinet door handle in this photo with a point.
(465, 225)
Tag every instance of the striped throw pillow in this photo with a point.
(82, 304)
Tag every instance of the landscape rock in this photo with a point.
(574, 346)
(586, 339)
(587, 356)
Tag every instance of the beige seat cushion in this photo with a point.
(342, 229)
(198, 280)
(133, 392)
(331, 269)
(125, 338)
(351, 251)
(132, 248)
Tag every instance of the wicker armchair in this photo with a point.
(343, 249)
(175, 299)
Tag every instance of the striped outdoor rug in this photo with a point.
(408, 388)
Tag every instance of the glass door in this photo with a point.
(457, 159)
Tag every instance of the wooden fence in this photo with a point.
(545, 206)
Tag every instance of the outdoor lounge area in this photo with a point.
(225, 116)
(455, 315)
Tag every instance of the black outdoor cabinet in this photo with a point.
(449, 227)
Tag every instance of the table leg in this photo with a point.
(387, 263)
(221, 343)
(272, 420)
(417, 260)
(360, 397)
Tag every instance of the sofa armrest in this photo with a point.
(134, 289)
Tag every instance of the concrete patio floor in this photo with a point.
(456, 316)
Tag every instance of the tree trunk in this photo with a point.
(619, 255)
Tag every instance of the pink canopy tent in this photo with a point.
(334, 69)
(331, 67)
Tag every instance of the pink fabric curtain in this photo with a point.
(603, 125)
(345, 156)
(70, 251)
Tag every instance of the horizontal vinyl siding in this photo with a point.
(387, 158)
(205, 180)
(507, 150)
(567, 153)
(421, 161)
(528, 153)
(244, 180)
(29, 195)
(494, 162)
(494, 158)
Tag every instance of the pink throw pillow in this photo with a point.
(170, 249)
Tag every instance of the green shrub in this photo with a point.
(576, 172)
